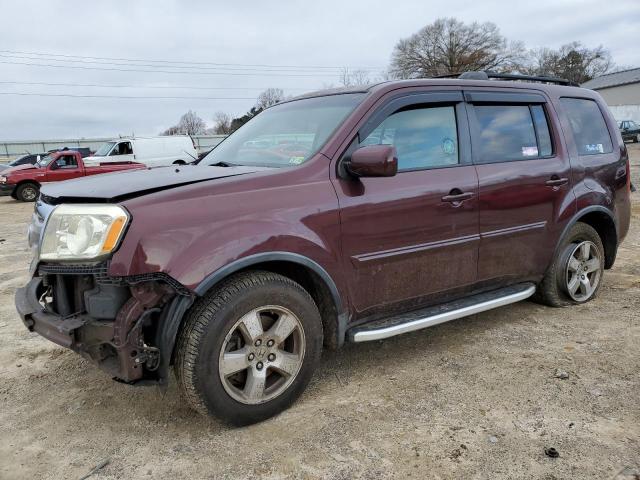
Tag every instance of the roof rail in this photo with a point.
(488, 74)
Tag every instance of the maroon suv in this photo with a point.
(340, 216)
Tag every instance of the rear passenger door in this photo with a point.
(525, 196)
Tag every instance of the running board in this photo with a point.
(445, 312)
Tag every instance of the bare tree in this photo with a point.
(189, 124)
(269, 97)
(572, 61)
(354, 78)
(222, 123)
(449, 46)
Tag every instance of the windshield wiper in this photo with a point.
(223, 164)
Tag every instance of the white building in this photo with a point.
(621, 91)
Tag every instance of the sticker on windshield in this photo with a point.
(296, 160)
(529, 151)
(594, 148)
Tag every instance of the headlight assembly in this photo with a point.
(3, 179)
(83, 232)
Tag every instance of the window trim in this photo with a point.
(427, 99)
(474, 125)
(573, 138)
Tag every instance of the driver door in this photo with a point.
(412, 239)
(64, 167)
(122, 152)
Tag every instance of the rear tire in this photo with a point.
(580, 259)
(248, 349)
(27, 192)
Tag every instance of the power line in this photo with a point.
(151, 65)
(177, 87)
(189, 62)
(134, 97)
(243, 74)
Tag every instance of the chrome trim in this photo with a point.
(512, 230)
(386, 332)
(411, 249)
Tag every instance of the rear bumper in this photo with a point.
(6, 189)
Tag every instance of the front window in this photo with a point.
(44, 161)
(285, 135)
(104, 150)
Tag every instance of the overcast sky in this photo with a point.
(295, 45)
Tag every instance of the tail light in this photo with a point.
(625, 156)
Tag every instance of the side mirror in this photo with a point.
(374, 161)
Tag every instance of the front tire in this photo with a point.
(248, 349)
(576, 273)
(27, 192)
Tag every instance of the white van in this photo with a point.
(152, 151)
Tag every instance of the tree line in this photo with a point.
(445, 47)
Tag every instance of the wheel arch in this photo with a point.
(303, 270)
(603, 222)
(308, 273)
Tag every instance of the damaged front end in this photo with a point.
(118, 323)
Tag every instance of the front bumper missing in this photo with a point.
(117, 345)
(53, 327)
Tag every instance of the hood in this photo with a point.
(113, 187)
(18, 168)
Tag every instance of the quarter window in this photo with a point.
(424, 137)
(512, 132)
(588, 126)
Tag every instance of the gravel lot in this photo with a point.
(474, 398)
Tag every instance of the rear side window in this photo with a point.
(512, 132)
(424, 137)
(588, 126)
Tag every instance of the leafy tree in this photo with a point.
(450, 46)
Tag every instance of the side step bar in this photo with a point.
(431, 316)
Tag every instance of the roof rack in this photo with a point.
(486, 75)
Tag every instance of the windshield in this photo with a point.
(44, 161)
(104, 150)
(285, 135)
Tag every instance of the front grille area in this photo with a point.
(99, 272)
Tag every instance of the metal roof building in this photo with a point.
(621, 91)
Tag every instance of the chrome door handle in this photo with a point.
(556, 182)
(457, 197)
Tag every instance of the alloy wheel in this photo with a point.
(29, 194)
(262, 354)
(584, 270)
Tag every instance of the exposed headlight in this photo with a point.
(3, 179)
(83, 232)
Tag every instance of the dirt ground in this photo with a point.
(474, 398)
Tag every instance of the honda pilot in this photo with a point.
(347, 215)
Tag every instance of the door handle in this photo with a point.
(457, 197)
(556, 181)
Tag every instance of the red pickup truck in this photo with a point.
(23, 182)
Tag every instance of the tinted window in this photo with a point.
(545, 147)
(423, 137)
(506, 133)
(589, 128)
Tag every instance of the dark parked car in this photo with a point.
(29, 159)
(630, 130)
(417, 202)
